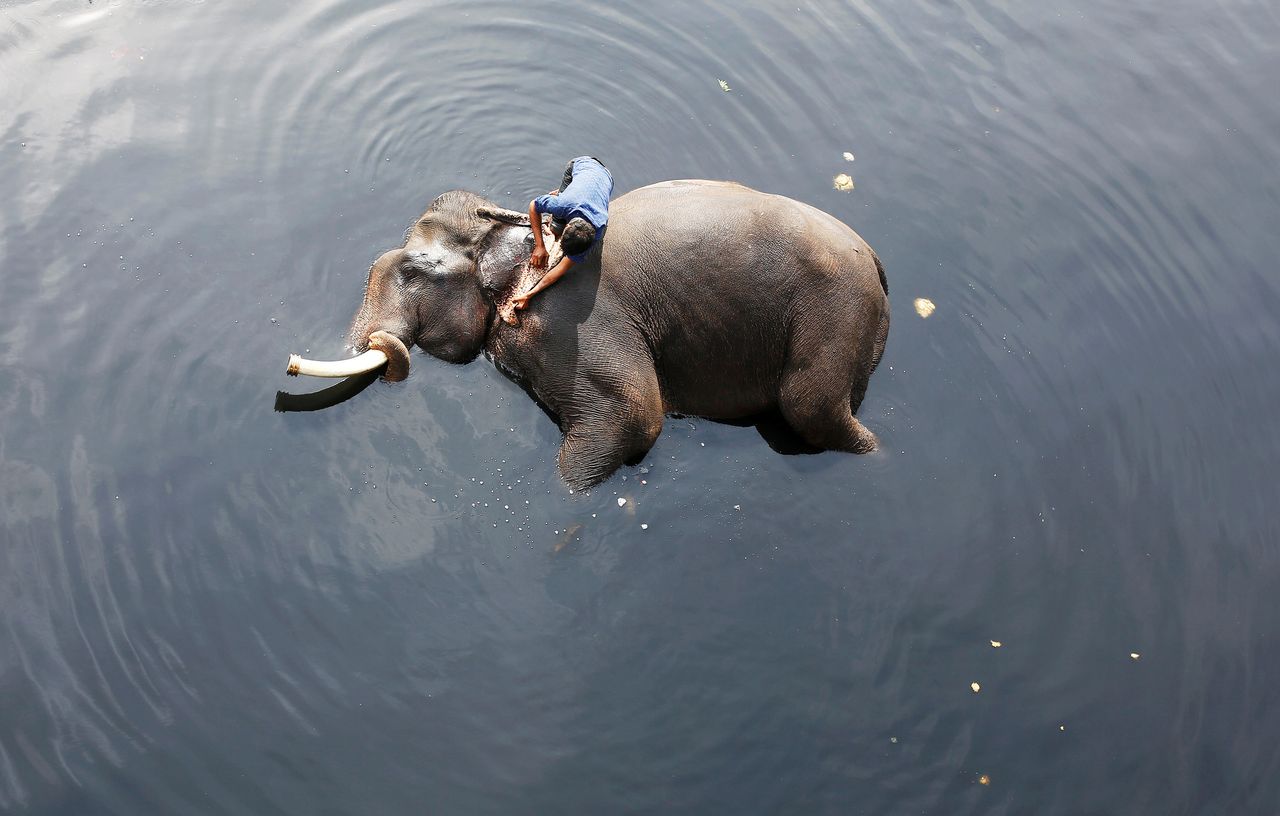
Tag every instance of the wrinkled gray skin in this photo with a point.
(703, 298)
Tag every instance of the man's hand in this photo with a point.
(538, 260)
(508, 314)
(554, 193)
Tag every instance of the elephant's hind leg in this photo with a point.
(814, 397)
(864, 373)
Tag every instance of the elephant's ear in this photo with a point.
(505, 216)
(501, 251)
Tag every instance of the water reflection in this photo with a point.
(327, 397)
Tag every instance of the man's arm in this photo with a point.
(538, 260)
(547, 280)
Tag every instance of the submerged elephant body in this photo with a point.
(703, 298)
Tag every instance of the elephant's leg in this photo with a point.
(815, 393)
(614, 424)
(864, 372)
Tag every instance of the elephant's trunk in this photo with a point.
(385, 349)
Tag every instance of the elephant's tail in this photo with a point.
(884, 282)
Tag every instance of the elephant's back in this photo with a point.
(718, 273)
(700, 226)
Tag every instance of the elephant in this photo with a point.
(702, 298)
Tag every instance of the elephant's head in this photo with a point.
(439, 291)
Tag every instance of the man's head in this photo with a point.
(578, 236)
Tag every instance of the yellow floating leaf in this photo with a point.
(924, 308)
(848, 156)
(1134, 655)
(995, 644)
(724, 86)
(844, 182)
(984, 780)
(976, 688)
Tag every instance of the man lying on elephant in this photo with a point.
(579, 210)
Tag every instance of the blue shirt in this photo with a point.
(587, 196)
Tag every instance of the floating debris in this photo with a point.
(848, 156)
(894, 740)
(644, 526)
(1134, 655)
(924, 307)
(1062, 728)
(844, 182)
(724, 86)
(570, 534)
(621, 501)
(984, 780)
(995, 644)
(976, 688)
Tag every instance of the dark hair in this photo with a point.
(578, 236)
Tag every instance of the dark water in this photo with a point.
(394, 607)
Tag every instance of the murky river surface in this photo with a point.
(393, 606)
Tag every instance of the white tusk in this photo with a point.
(369, 361)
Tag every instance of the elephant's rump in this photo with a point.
(731, 283)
